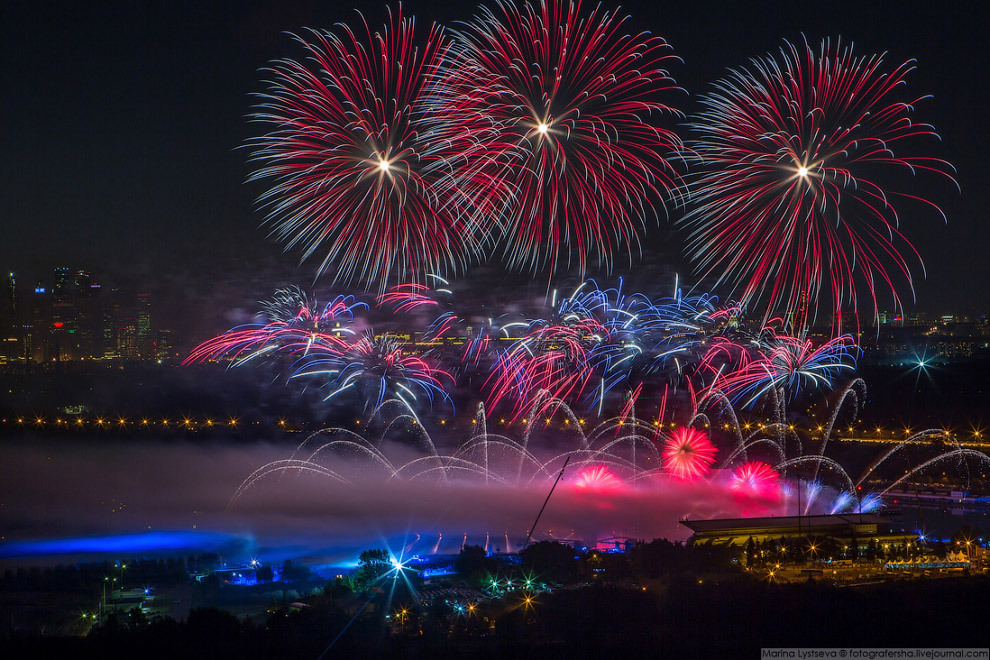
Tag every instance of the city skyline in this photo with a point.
(71, 301)
(70, 317)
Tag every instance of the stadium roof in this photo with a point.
(783, 522)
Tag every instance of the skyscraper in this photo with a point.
(12, 295)
(38, 324)
(127, 339)
(87, 315)
(10, 327)
(108, 326)
(63, 314)
(145, 341)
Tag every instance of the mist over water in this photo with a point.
(61, 488)
(53, 489)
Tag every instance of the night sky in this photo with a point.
(122, 122)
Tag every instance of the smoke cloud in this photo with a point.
(57, 489)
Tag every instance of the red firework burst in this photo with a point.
(365, 170)
(689, 453)
(378, 367)
(756, 478)
(597, 477)
(296, 324)
(575, 103)
(785, 364)
(788, 200)
(551, 359)
(405, 298)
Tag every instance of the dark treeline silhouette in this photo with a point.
(552, 601)
(87, 576)
(731, 617)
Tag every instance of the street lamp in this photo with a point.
(103, 607)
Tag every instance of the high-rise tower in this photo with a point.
(144, 340)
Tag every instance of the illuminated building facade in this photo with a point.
(845, 528)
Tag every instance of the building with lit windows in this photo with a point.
(842, 527)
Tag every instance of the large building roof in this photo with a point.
(783, 522)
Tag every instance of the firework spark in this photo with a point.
(575, 101)
(553, 354)
(786, 364)
(364, 168)
(689, 454)
(792, 154)
(296, 324)
(597, 477)
(377, 367)
(756, 478)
